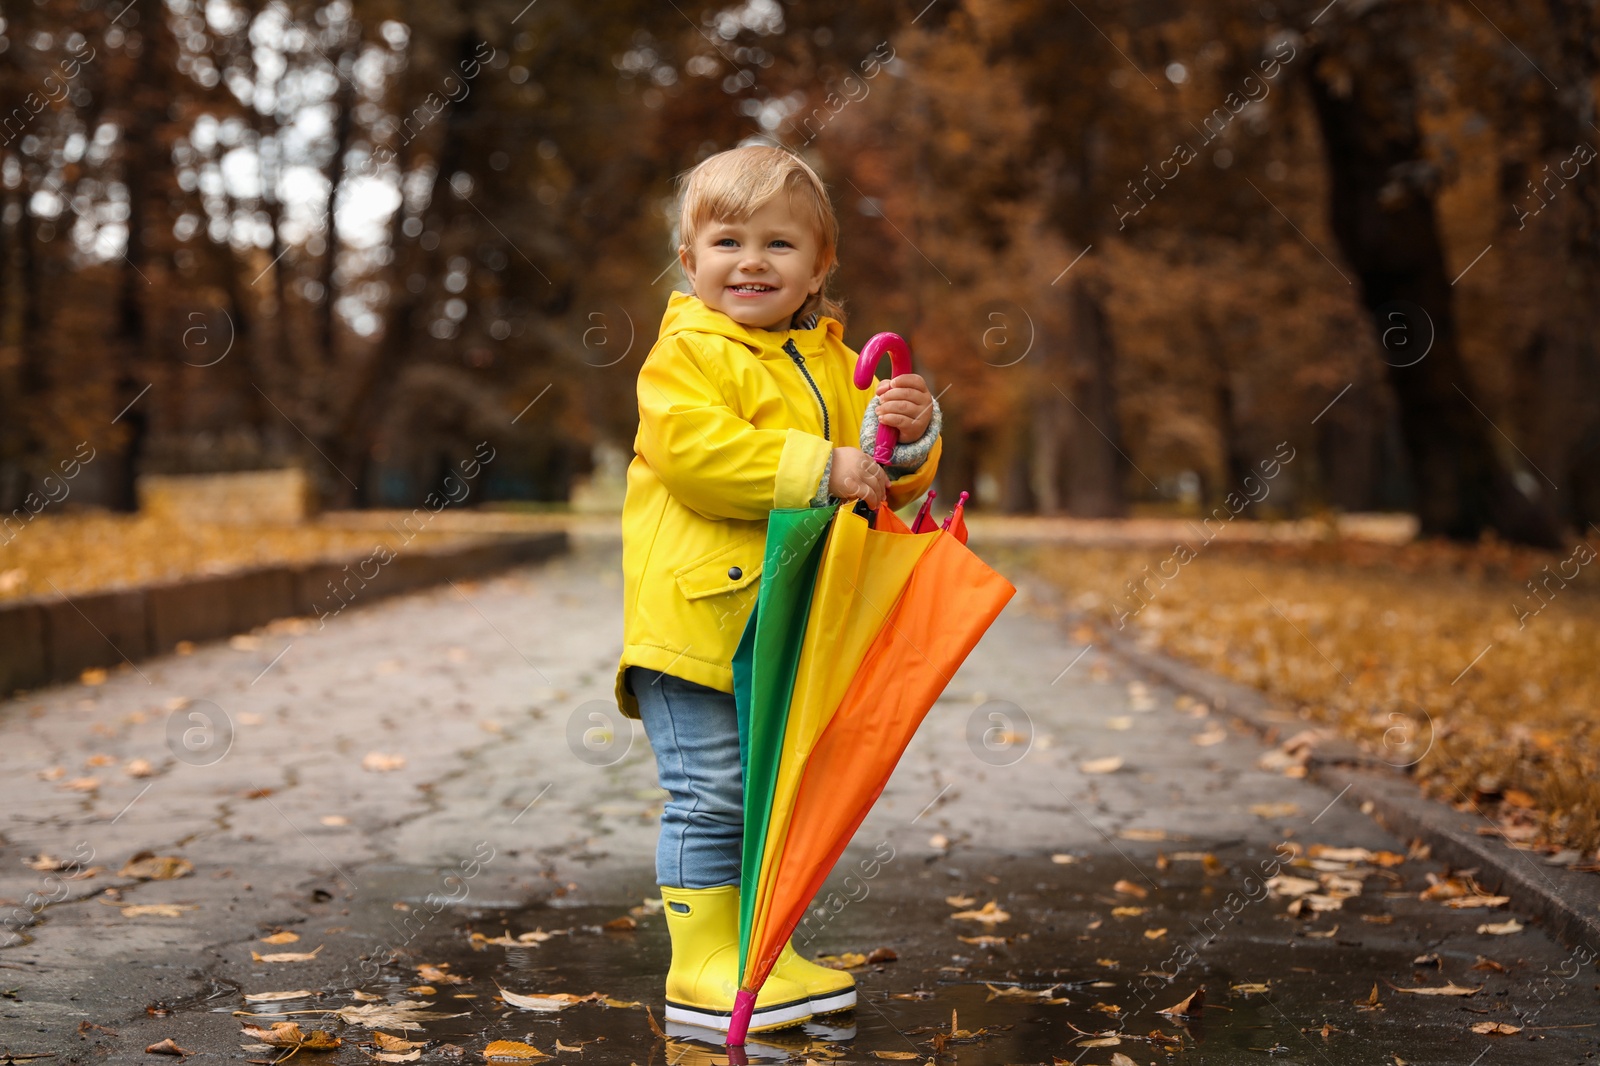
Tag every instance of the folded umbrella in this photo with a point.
(858, 627)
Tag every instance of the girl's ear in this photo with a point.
(820, 276)
(686, 260)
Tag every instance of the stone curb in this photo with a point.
(49, 640)
(1567, 902)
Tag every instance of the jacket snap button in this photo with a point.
(734, 573)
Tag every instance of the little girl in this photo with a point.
(746, 405)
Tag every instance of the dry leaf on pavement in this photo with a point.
(148, 866)
(1448, 989)
(989, 914)
(287, 956)
(1190, 1006)
(512, 1051)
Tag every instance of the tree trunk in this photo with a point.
(1094, 466)
(1382, 193)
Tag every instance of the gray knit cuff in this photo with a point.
(822, 497)
(906, 457)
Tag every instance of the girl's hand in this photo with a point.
(906, 404)
(854, 476)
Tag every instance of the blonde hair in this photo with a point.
(731, 186)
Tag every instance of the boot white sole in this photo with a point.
(765, 1019)
(833, 1003)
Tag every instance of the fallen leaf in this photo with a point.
(512, 1051)
(1205, 739)
(625, 924)
(422, 990)
(1152, 836)
(1062, 859)
(954, 901)
(334, 820)
(1044, 995)
(405, 1015)
(1128, 888)
(1119, 1059)
(165, 1047)
(1485, 963)
(1248, 989)
(437, 975)
(849, 960)
(1371, 1002)
(1100, 1041)
(274, 997)
(985, 941)
(1108, 765)
(1464, 902)
(1154, 934)
(1287, 885)
(1127, 912)
(96, 675)
(897, 1056)
(147, 866)
(381, 762)
(1505, 928)
(157, 910)
(1448, 888)
(287, 956)
(284, 937)
(290, 1035)
(81, 784)
(1190, 1006)
(395, 1043)
(552, 1002)
(1275, 810)
(1448, 989)
(989, 914)
(1497, 1028)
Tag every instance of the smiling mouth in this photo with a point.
(752, 289)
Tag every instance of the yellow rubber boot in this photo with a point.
(704, 976)
(830, 990)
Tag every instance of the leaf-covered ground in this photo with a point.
(94, 551)
(1474, 663)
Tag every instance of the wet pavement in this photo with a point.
(426, 776)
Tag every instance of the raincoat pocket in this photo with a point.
(715, 573)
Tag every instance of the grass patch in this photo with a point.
(1353, 633)
(96, 551)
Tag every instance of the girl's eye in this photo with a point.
(782, 243)
(727, 242)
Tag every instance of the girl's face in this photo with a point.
(757, 272)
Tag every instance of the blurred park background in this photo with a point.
(1328, 269)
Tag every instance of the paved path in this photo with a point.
(487, 691)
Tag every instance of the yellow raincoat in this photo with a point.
(729, 430)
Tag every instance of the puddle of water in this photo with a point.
(1277, 988)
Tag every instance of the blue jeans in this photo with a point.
(694, 731)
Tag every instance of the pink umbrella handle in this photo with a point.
(744, 1005)
(899, 363)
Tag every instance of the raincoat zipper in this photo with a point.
(800, 361)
